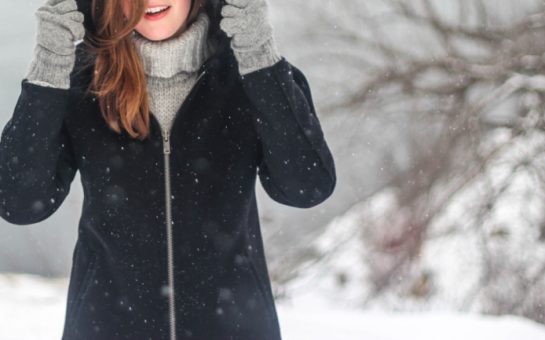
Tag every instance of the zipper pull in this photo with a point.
(166, 144)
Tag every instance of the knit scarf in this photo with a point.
(171, 67)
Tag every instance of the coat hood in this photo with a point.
(84, 6)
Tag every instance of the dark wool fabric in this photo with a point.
(229, 131)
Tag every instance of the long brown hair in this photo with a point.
(119, 81)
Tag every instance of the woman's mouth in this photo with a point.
(156, 13)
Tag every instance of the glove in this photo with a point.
(246, 21)
(60, 27)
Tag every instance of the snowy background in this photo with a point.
(434, 111)
(33, 307)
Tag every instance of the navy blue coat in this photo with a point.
(134, 276)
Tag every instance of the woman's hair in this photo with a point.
(118, 79)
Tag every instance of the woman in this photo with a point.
(169, 118)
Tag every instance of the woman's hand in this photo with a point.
(247, 22)
(60, 27)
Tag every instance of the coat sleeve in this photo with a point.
(37, 164)
(295, 165)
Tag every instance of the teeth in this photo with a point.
(155, 9)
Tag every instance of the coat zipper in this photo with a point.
(172, 310)
(168, 202)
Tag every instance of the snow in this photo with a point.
(299, 323)
(455, 270)
(33, 307)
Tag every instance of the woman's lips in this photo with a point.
(157, 16)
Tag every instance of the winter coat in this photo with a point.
(135, 275)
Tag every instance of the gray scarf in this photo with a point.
(171, 67)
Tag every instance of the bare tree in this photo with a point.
(461, 85)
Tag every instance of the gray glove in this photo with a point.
(60, 27)
(247, 22)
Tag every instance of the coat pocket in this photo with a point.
(262, 287)
(86, 282)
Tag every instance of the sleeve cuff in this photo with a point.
(254, 59)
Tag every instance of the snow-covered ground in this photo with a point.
(32, 307)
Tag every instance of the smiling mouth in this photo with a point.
(156, 12)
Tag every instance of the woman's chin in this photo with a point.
(158, 36)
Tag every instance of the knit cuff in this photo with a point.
(257, 58)
(49, 68)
